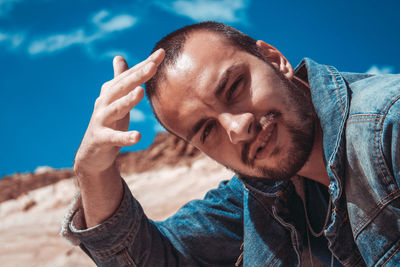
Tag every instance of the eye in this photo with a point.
(231, 91)
(207, 130)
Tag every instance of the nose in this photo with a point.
(239, 127)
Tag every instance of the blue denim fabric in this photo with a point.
(360, 119)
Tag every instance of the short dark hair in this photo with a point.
(173, 44)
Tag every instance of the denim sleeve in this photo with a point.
(373, 175)
(393, 132)
(388, 218)
(204, 232)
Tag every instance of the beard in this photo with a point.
(288, 160)
(294, 158)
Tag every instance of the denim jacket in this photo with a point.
(261, 222)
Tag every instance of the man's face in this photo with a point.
(236, 108)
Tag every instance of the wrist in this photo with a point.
(101, 194)
(96, 175)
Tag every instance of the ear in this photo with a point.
(276, 58)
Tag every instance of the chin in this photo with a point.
(287, 161)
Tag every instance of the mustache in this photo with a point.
(261, 123)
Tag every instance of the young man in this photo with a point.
(315, 151)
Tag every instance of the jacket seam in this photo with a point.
(353, 261)
(255, 196)
(391, 256)
(393, 101)
(358, 118)
(369, 217)
(360, 121)
(109, 223)
(274, 258)
(274, 216)
(121, 245)
(293, 233)
(376, 149)
(358, 259)
(128, 258)
(338, 89)
(275, 262)
(365, 115)
(340, 189)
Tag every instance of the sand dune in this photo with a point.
(168, 174)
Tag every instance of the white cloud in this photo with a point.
(229, 11)
(118, 23)
(100, 16)
(13, 40)
(136, 115)
(104, 24)
(57, 42)
(374, 69)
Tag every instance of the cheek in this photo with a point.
(261, 98)
(223, 151)
(266, 88)
(265, 96)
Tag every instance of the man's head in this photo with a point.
(234, 99)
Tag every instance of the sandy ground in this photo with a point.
(29, 225)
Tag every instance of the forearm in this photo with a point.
(125, 238)
(197, 235)
(101, 194)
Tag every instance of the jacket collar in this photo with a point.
(330, 98)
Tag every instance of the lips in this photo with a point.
(260, 147)
(266, 147)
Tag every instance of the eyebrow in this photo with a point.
(217, 93)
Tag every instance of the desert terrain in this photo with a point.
(32, 205)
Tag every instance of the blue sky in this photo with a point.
(55, 55)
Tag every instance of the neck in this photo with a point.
(314, 168)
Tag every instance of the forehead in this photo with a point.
(189, 84)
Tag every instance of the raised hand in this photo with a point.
(95, 166)
(108, 128)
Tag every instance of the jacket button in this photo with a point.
(332, 187)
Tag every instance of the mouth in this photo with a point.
(263, 144)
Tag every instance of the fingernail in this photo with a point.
(135, 137)
(156, 53)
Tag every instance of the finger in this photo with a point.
(119, 65)
(122, 106)
(126, 85)
(156, 58)
(119, 138)
(128, 80)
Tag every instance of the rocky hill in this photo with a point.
(163, 177)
